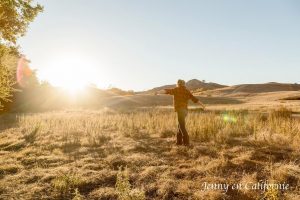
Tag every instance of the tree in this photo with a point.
(15, 16)
(8, 61)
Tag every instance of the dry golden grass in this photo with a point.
(82, 154)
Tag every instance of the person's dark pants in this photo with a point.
(182, 135)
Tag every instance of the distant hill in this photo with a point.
(193, 84)
(257, 88)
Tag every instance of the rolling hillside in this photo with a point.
(250, 89)
(193, 84)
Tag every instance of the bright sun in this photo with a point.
(72, 73)
(72, 78)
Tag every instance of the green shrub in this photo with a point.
(124, 189)
(67, 184)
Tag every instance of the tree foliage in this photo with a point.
(8, 61)
(15, 16)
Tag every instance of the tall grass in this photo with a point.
(77, 154)
(208, 126)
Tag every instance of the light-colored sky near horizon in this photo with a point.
(140, 44)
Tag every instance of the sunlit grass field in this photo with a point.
(110, 154)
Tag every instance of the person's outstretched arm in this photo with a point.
(169, 91)
(195, 100)
(165, 91)
(201, 104)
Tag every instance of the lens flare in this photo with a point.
(229, 118)
(23, 72)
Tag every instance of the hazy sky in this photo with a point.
(140, 44)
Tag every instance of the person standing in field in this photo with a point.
(181, 96)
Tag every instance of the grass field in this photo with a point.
(109, 154)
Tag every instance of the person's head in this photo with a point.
(180, 83)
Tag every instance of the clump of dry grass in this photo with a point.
(32, 135)
(281, 112)
(71, 142)
(8, 169)
(98, 139)
(167, 133)
(103, 193)
(286, 173)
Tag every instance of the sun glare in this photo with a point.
(73, 88)
(72, 73)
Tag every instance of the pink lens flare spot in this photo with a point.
(23, 72)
